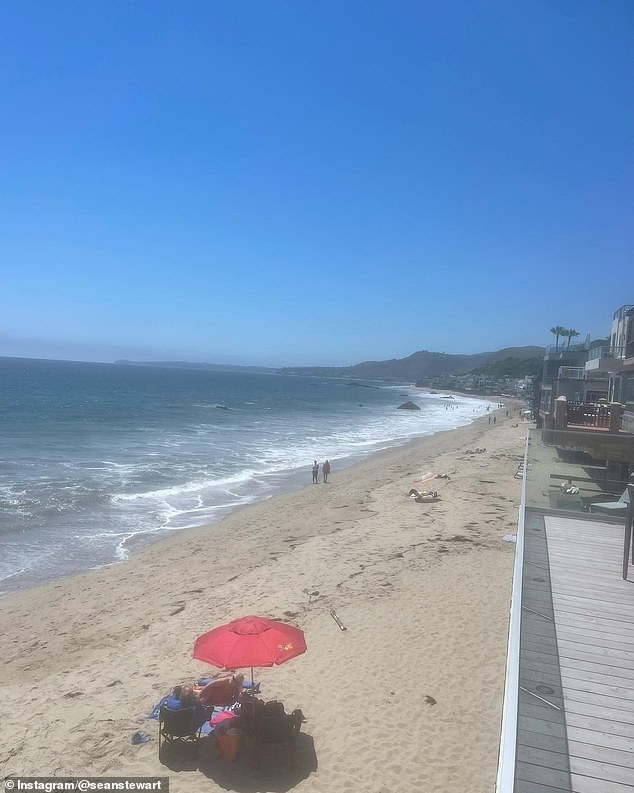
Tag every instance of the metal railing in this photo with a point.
(571, 373)
(621, 312)
(606, 352)
(590, 485)
(566, 347)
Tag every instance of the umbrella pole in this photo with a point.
(253, 695)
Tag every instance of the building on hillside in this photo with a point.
(518, 387)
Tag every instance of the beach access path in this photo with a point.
(408, 698)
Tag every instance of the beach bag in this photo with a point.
(273, 708)
(229, 743)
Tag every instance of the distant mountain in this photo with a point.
(415, 366)
(214, 367)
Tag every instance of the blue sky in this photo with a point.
(318, 182)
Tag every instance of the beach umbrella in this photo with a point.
(248, 642)
(426, 477)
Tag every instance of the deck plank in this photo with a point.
(584, 654)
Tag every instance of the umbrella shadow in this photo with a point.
(180, 758)
(273, 775)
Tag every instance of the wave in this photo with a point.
(82, 495)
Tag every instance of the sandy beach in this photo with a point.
(407, 699)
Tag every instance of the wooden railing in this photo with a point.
(588, 414)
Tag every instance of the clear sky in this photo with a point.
(291, 182)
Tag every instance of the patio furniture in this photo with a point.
(617, 508)
(177, 727)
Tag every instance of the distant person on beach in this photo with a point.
(325, 469)
(315, 472)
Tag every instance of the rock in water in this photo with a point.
(408, 406)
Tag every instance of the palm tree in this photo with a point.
(558, 330)
(571, 334)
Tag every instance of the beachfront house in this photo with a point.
(564, 374)
(616, 361)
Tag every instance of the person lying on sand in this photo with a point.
(426, 495)
(223, 691)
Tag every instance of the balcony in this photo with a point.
(622, 312)
(568, 700)
(592, 415)
(606, 352)
(606, 359)
(571, 373)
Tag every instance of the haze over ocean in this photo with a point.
(97, 459)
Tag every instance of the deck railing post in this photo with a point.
(628, 543)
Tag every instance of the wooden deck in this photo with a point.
(576, 705)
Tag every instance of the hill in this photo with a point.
(419, 364)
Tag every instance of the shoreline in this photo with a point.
(280, 482)
(108, 643)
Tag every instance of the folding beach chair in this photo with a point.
(177, 727)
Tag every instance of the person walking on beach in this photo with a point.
(325, 469)
(315, 472)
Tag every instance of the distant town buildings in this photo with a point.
(517, 387)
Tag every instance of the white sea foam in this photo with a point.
(159, 461)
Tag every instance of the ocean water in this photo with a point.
(98, 459)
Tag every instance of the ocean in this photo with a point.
(99, 459)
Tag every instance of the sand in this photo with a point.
(407, 699)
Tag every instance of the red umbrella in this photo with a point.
(250, 641)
